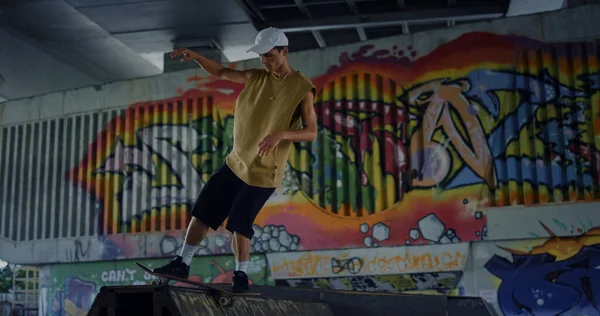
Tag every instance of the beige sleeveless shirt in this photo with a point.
(256, 116)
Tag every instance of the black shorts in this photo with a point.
(225, 195)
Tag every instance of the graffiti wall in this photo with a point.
(550, 276)
(365, 261)
(413, 148)
(444, 283)
(410, 149)
(431, 269)
(543, 221)
(70, 289)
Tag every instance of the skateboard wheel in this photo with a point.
(224, 301)
(160, 281)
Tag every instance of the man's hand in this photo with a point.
(212, 67)
(269, 143)
(186, 53)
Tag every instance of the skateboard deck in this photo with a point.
(224, 295)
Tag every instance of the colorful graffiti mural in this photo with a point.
(440, 283)
(555, 276)
(70, 289)
(368, 262)
(433, 269)
(410, 148)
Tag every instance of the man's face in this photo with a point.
(273, 59)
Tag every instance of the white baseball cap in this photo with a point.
(267, 39)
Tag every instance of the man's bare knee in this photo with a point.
(196, 231)
(198, 222)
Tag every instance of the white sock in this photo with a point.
(241, 266)
(187, 253)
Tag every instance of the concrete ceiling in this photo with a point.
(113, 40)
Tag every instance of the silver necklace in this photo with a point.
(272, 97)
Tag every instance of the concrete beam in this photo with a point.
(76, 41)
(392, 18)
(3, 19)
(318, 38)
(251, 9)
(360, 30)
(311, 3)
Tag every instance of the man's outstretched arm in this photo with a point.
(211, 66)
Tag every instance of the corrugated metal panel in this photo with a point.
(558, 150)
(4, 210)
(37, 201)
(138, 169)
(353, 110)
(49, 166)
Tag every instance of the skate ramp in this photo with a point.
(351, 303)
(174, 301)
(285, 301)
(190, 303)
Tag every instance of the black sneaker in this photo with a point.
(175, 267)
(240, 282)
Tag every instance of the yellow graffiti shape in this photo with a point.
(385, 184)
(564, 248)
(72, 310)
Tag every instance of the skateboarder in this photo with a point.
(274, 109)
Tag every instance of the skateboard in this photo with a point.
(224, 297)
